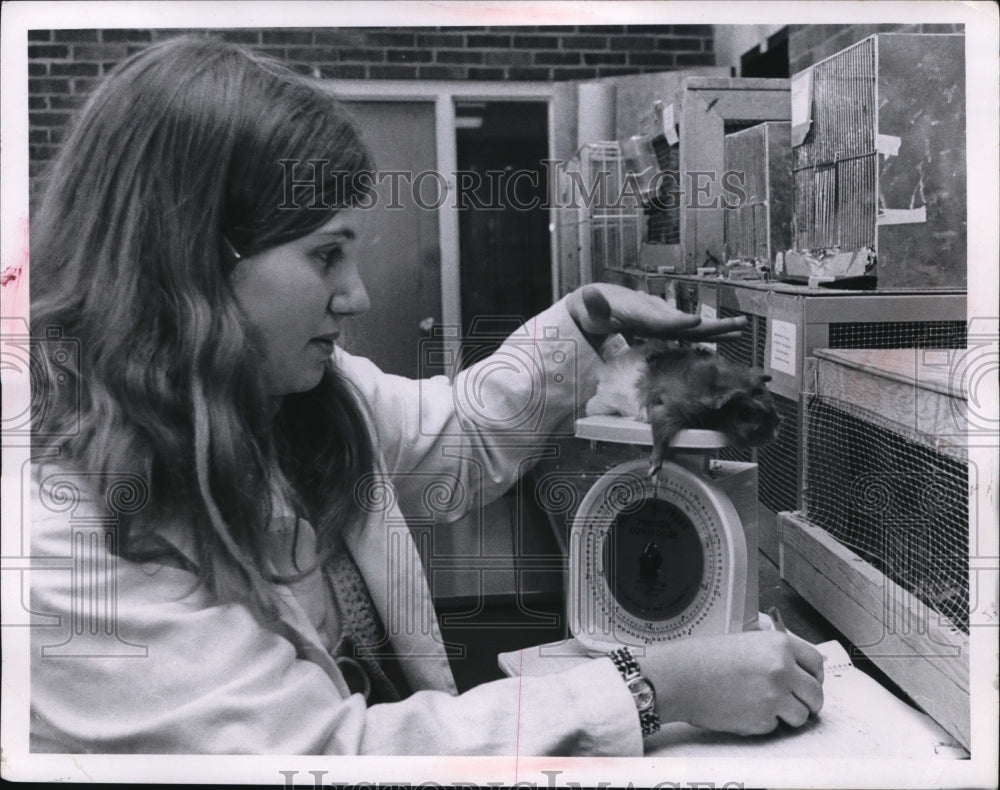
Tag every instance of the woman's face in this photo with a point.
(297, 295)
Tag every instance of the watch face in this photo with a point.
(643, 694)
(654, 560)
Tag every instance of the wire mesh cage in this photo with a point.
(684, 213)
(810, 319)
(893, 498)
(663, 215)
(758, 160)
(840, 152)
(780, 462)
(879, 161)
(881, 543)
(748, 351)
(611, 223)
(897, 334)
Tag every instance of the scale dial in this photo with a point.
(651, 561)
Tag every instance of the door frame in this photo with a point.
(443, 94)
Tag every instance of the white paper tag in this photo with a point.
(887, 145)
(670, 125)
(901, 216)
(782, 346)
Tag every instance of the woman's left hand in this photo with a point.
(601, 309)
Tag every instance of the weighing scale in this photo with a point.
(651, 561)
(655, 560)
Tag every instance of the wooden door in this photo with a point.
(401, 251)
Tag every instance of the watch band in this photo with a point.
(642, 690)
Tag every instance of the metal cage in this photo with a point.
(610, 225)
(879, 159)
(759, 225)
(885, 517)
(785, 325)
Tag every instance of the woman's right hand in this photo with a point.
(742, 683)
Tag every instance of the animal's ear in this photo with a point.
(765, 378)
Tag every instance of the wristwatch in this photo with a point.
(642, 690)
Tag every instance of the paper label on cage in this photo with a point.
(670, 125)
(782, 346)
(901, 216)
(887, 145)
(801, 106)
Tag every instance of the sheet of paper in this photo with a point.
(670, 125)
(859, 718)
(783, 337)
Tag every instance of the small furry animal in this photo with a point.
(675, 388)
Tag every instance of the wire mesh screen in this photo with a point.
(778, 472)
(835, 169)
(736, 454)
(893, 500)
(760, 340)
(746, 224)
(747, 350)
(898, 334)
(740, 351)
(615, 228)
(663, 216)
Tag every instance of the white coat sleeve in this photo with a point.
(176, 672)
(473, 437)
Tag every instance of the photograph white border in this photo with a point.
(981, 29)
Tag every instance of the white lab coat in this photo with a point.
(184, 673)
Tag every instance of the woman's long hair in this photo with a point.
(178, 164)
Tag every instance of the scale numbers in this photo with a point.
(652, 562)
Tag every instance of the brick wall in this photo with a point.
(64, 65)
(809, 44)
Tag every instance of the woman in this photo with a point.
(262, 593)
